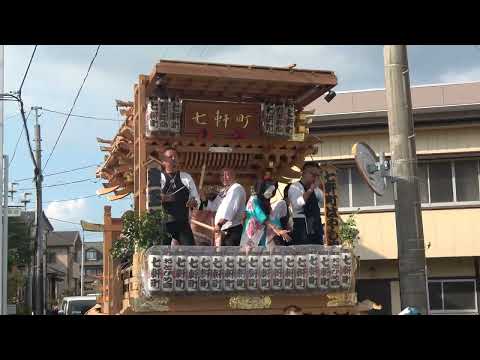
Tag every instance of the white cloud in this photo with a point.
(72, 211)
(334, 58)
(472, 74)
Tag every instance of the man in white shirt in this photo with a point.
(178, 195)
(230, 207)
(306, 200)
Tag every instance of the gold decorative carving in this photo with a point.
(153, 304)
(342, 299)
(250, 302)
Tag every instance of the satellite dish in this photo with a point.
(367, 164)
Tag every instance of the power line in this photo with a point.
(55, 185)
(37, 172)
(26, 71)
(78, 198)
(27, 134)
(12, 116)
(18, 140)
(61, 172)
(73, 105)
(82, 116)
(16, 145)
(64, 221)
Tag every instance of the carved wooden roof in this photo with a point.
(117, 168)
(245, 83)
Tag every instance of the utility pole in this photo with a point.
(4, 249)
(39, 220)
(2, 64)
(408, 215)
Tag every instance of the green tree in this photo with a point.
(20, 242)
(139, 232)
(349, 232)
(20, 252)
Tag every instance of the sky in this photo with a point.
(56, 74)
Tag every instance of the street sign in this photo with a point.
(14, 212)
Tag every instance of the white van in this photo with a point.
(77, 305)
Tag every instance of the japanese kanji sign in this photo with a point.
(190, 269)
(332, 230)
(230, 120)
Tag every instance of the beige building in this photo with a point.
(447, 132)
(64, 251)
(93, 264)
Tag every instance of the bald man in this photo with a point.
(230, 207)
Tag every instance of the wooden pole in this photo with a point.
(202, 175)
(205, 226)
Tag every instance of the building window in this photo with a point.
(92, 255)
(387, 197)
(343, 185)
(466, 180)
(453, 296)
(91, 272)
(362, 195)
(440, 183)
(440, 175)
(51, 257)
(422, 174)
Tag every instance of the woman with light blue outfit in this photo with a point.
(261, 223)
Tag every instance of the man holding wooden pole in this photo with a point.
(178, 195)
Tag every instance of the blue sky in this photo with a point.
(57, 71)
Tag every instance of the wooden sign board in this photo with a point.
(210, 119)
(332, 229)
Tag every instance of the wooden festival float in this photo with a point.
(251, 119)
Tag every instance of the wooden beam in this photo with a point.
(121, 103)
(104, 141)
(117, 197)
(107, 190)
(252, 73)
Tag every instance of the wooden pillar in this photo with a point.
(107, 246)
(140, 169)
(140, 157)
(136, 131)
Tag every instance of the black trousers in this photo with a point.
(300, 237)
(180, 231)
(232, 236)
